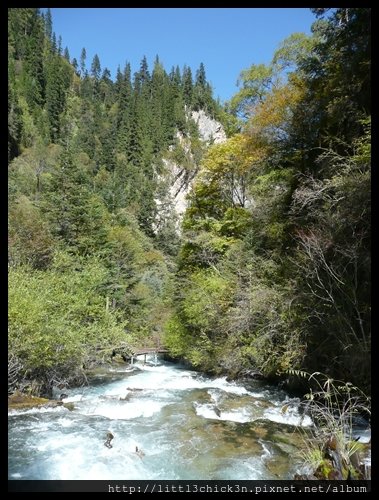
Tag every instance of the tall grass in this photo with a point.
(331, 451)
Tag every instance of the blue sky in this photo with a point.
(226, 40)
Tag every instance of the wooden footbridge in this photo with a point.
(148, 350)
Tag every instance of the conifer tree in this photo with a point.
(187, 86)
(75, 65)
(83, 57)
(66, 54)
(48, 25)
(96, 68)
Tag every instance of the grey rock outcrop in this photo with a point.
(210, 130)
(179, 178)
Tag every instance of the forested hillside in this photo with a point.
(89, 267)
(270, 270)
(274, 269)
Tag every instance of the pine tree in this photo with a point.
(199, 91)
(109, 144)
(96, 68)
(48, 25)
(83, 57)
(34, 81)
(177, 78)
(187, 86)
(59, 75)
(118, 82)
(66, 54)
(177, 102)
(95, 72)
(20, 26)
(158, 90)
(106, 87)
(75, 65)
(77, 215)
(54, 44)
(14, 124)
(125, 108)
(201, 77)
(144, 75)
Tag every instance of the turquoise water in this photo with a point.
(188, 426)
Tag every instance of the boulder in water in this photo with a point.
(217, 411)
(69, 406)
(20, 401)
(139, 452)
(125, 398)
(107, 443)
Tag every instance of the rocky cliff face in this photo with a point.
(180, 174)
(210, 130)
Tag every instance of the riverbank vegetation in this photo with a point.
(90, 264)
(333, 450)
(270, 271)
(274, 268)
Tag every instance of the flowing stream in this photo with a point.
(188, 425)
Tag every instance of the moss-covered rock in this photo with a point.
(21, 401)
(69, 406)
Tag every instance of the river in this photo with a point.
(188, 425)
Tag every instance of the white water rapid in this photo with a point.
(189, 426)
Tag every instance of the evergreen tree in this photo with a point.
(48, 25)
(75, 65)
(83, 57)
(59, 76)
(106, 87)
(20, 27)
(66, 54)
(96, 68)
(54, 44)
(202, 92)
(95, 72)
(118, 82)
(187, 86)
(14, 124)
(34, 82)
(158, 91)
(78, 216)
(144, 75)
(201, 77)
(124, 110)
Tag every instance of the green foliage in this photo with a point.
(30, 240)
(281, 212)
(341, 59)
(14, 116)
(195, 332)
(293, 51)
(331, 449)
(137, 120)
(40, 334)
(176, 338)
(31, 172)
(334, 259)
(256, 82)
(274, 260)
(79, 217)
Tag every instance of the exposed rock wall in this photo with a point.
(210, 130)
(179, 178)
